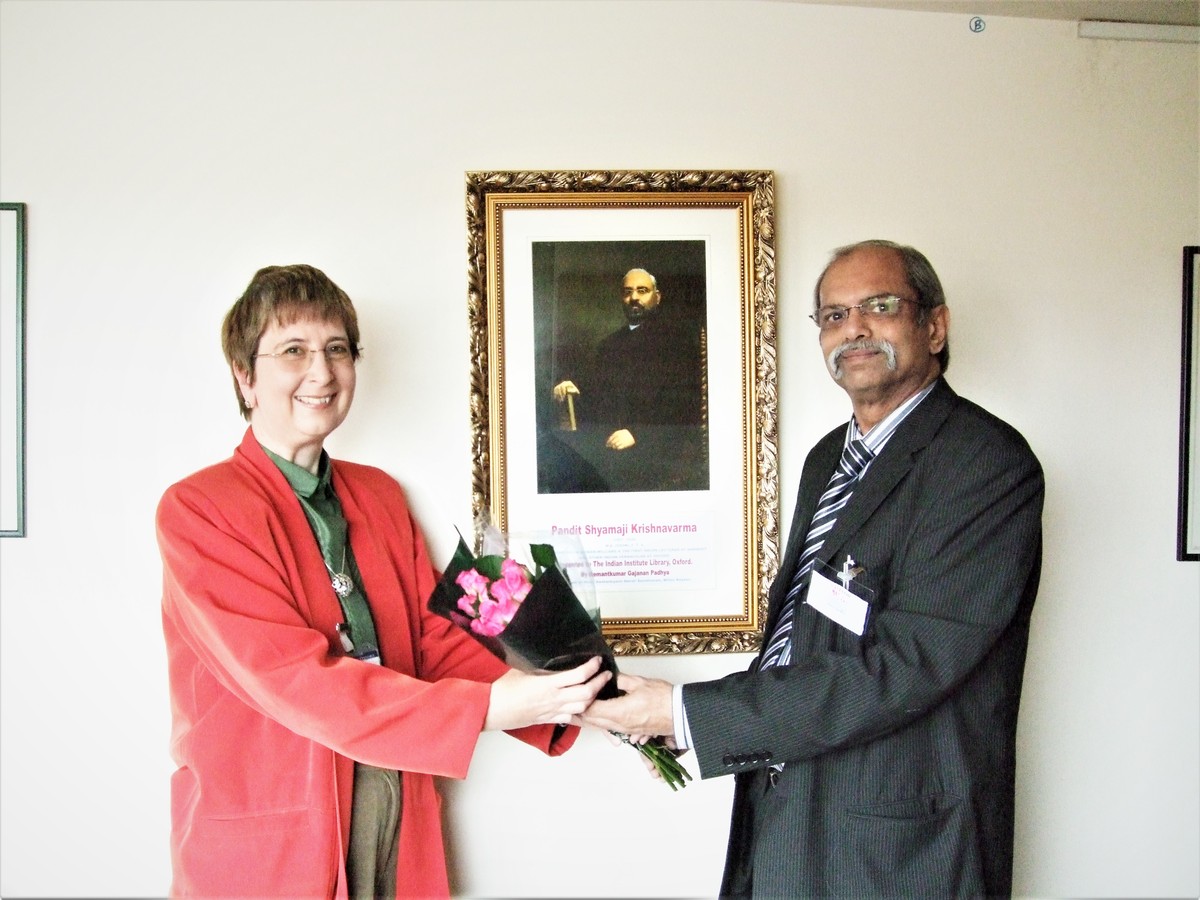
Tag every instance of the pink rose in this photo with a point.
(472, 582)
(493, 617)
(513, 584)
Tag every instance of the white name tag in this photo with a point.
(832, 600)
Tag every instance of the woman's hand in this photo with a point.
(519, 699)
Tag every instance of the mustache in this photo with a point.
(833, 360)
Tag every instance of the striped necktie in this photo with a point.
(837, 494)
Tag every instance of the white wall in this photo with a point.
(167, 150)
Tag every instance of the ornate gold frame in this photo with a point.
(488, 194)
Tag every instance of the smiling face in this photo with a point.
(879, 361)
(293, 410)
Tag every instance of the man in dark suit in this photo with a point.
(873, 740)
(640, 407)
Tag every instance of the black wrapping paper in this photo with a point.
(550, 631)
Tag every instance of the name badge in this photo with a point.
(837, 601)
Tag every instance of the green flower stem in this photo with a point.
(663, 757)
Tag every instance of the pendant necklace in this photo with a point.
(343, 585)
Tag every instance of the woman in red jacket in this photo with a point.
(313, 695)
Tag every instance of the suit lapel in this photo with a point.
(893, 463)
(897, 458)
(820, 463)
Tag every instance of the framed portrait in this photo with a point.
(12, 369)
(623, 389)
(1188, 532)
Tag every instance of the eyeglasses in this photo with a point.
(882, 307)
(297, 357)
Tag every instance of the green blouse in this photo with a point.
(324, 512)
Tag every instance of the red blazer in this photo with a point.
(269, 715)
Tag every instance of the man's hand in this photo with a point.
(563, 388)
(644, 709)
(637, 740)
(621, 439)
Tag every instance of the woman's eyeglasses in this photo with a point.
(297, 357)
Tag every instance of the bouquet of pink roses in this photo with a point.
(530, 617)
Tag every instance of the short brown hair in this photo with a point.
(281, 294)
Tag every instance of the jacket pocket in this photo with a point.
(921, 846)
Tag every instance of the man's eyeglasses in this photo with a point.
(883, 307)
(297, 357)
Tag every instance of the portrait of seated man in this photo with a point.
(631, 416)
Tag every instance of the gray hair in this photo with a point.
(919, 273)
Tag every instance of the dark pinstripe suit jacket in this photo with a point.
(899, 744)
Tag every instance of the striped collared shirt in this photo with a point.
(882, 432)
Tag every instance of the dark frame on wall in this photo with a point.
(1188, 531)
(546, 255)
(12, 369)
